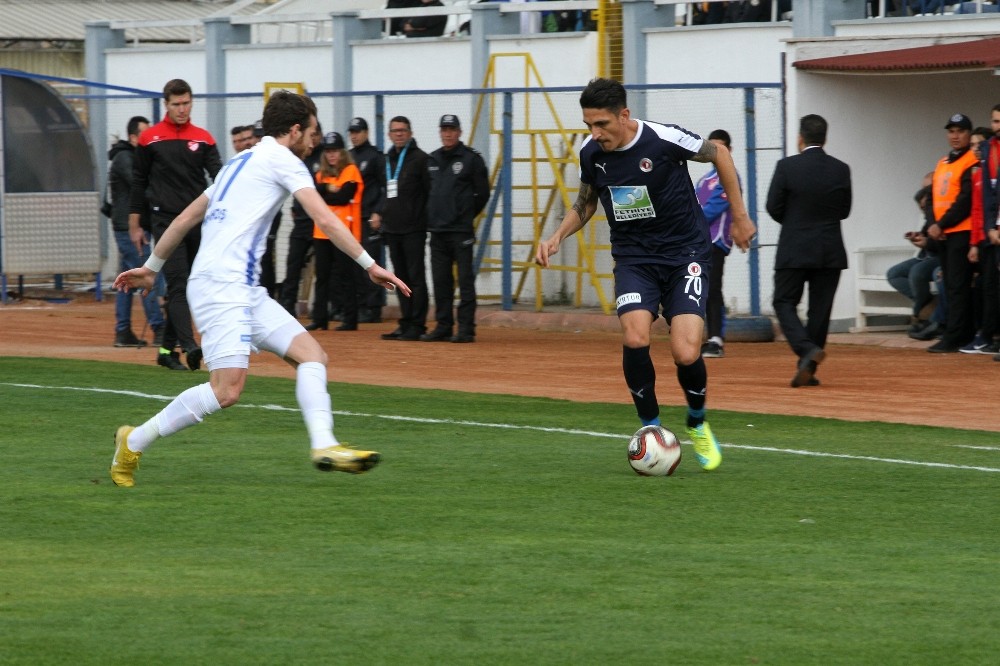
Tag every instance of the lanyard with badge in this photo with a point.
(392, 179)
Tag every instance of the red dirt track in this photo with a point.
(883, 377)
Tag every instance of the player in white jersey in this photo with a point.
(659, 241)
(234, 315)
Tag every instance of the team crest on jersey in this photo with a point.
(193, 146)
(645, 165)
(694, 269)
(456, 168)
(631, 202)
(363, 165)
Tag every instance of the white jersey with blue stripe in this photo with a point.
(243, 200)
(648, 196)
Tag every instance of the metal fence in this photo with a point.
(530, 138)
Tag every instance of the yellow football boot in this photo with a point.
(125, 462)
(343, 459)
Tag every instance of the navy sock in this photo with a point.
(694, 381)
(640, 376)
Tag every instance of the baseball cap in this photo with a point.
(358, 125)
(960, 121)
(258, 128)
(449, 120)
(333, 140)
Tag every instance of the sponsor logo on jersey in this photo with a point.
(631, 203)
(602, 167)
(694, 268)
(625, 299)
(456, 168)
(645, 165)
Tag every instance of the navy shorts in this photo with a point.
(677, 289)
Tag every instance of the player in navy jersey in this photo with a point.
(659, 241)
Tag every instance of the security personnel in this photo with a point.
(949, 220)
(371, 164)
(460, 188)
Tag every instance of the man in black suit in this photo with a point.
(809, 196)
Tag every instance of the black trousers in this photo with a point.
(789, 285)
(178, 330)
(449, 251)
(298, 255)
(407, 254)
(957, 272)
(267, 274)
(371, 295)
(331, 284)
(990, 290)
(716, 306)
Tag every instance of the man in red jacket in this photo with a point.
(173, 162)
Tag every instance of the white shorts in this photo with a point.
(237, 319)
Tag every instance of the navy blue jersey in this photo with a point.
(648, 196)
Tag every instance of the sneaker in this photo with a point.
(977, 346)
(194, 358)
(171, 361)
(125, 462)
(706, 447)
(712, 350)
(942, 347)
(929, 332)
(343, 459)
(127, 338)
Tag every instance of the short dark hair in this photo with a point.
(401, 119)
(995, 108)
(133, 125)
(984, 132)
(812, 129)
(239, 129)
(176, 87)
(604, 94)
(284, 110)
(723, 136)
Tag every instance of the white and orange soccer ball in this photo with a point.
(654, 451)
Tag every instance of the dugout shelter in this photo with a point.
(49, 203)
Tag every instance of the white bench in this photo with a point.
(875, 295)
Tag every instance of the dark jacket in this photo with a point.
(407, 212)
(120, 185)
(809, 196)
(302, 224)
(371, 164)
(460, 188)
(171, 161)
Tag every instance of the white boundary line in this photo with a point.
(565, 431)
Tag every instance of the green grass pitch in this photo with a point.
(497, 530)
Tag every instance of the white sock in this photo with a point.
(311, 393)
(187, 409)
(716, 339)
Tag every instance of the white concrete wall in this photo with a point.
(725, 53)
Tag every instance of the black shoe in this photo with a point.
(194, 357)
(127, 338)
(437, 335)
(171, 361)
(807, 367)
(463, 337)
(347, 327)
(392, 336)
(370, 316)
(317, 327)
(812, 382)
(942, 347)
(929, 332)
(411, 336)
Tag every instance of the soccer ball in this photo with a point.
(654, 451)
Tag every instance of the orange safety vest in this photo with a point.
(947, 183)
(349, 213)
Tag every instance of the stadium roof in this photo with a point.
(978, 55)
(65, 20)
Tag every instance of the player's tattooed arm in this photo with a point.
(707, 153)
(586, 202)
